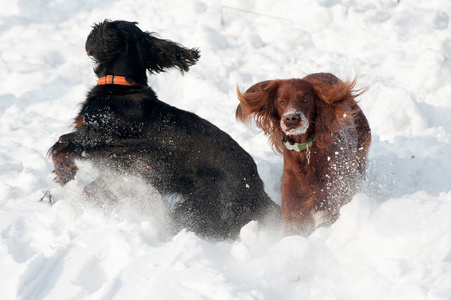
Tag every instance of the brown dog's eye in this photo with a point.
(304, 100)
(282, 102)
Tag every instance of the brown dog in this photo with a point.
(324, 137)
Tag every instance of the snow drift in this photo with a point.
(392, 241)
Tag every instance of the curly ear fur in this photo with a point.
(258, 103)
(164, 54)
(337, 107)
(121, 48)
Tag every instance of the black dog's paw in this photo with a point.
(65, 171)
(63, 161)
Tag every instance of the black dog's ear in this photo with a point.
(163, 54)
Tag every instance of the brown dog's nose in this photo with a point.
(291, 119)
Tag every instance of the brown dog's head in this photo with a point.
(121, 48)
(297, 109)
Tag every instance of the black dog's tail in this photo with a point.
(163, 54)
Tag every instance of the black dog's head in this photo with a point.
(121, 48)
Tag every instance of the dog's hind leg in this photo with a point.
(202, 212)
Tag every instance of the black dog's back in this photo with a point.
(125, 127)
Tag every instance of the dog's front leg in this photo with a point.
(297, 207)
(63, 153)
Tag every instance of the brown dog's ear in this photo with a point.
(259, 103)
(342, 91)
(330, 89)
(337, 106)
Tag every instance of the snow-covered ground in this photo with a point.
(392, 241)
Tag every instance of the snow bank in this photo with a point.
(392, 241)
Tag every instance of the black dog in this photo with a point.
(124, 126)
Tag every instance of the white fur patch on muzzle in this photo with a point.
(301, 129)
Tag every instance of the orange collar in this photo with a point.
(110, 79)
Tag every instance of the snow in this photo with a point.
(392, 241)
